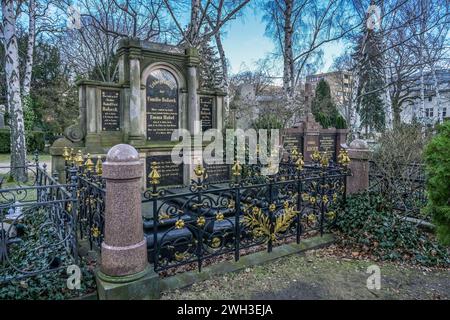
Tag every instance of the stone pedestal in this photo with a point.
(359, 154)
(124, 271)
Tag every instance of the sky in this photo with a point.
(244, 43)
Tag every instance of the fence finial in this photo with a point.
(236, 169)
(79, 158)
(99, 166)
(343, 158)
(66, 154)
(89, 164)
(154, 175)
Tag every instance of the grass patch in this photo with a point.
(6, 157)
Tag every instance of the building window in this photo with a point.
(444, 112)
(429, 112)
(430, 99)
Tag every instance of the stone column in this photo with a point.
(311, 137)
(136, 137)
(124, 271)
(193, 111)
(359, 154)
(341, 139)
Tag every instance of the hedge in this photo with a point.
(437, 166)
(34, 140)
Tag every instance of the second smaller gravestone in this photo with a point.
(327, 143)
(171, 173)
(217, 172)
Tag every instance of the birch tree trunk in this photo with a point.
(223, 61)
(194, 23)
(438, 95)
(30, 48)
(288, 54)
(18, 149)
(422, 95)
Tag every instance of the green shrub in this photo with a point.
(437, 166)
(35, 140)
(367, 224)
(340, 122)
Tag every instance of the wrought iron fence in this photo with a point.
(401, 185)
(90, 195)
(203, 220)
(37, 223)
(206, 220)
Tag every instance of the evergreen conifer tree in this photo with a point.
(369, 70)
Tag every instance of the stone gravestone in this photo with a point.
(308, 136)
(158, 91)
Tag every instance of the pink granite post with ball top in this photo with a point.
(124, 269)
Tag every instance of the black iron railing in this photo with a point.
(193, 223)
(206, 220)
(37, 223)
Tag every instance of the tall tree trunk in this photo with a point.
(30, 48)
(288, 54)
(438, 95)
(18, 148)
(223, 61)
(194, 27)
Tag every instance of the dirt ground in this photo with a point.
(318, 275)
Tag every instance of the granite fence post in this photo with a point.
(359, 154)
(124, 270)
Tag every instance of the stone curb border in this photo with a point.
(188, 278)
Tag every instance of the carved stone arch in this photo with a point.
(166, 73)
(167, 66)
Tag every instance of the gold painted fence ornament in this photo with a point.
(66, 154)
(99, 166)
(261, 226)
(79, 158)
(154, 175)
(236, 169)
(343, 158)
(89, 165)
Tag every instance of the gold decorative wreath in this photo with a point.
(259, 222)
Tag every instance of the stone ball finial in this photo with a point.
(359, 144)
(122, 153)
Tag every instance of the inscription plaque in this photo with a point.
(311, 146)
(162, 105)
(293, 140)
(217, 172)
(206, 113)
(110, 108)
(171, 174)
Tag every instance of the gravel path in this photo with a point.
(314, 276)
